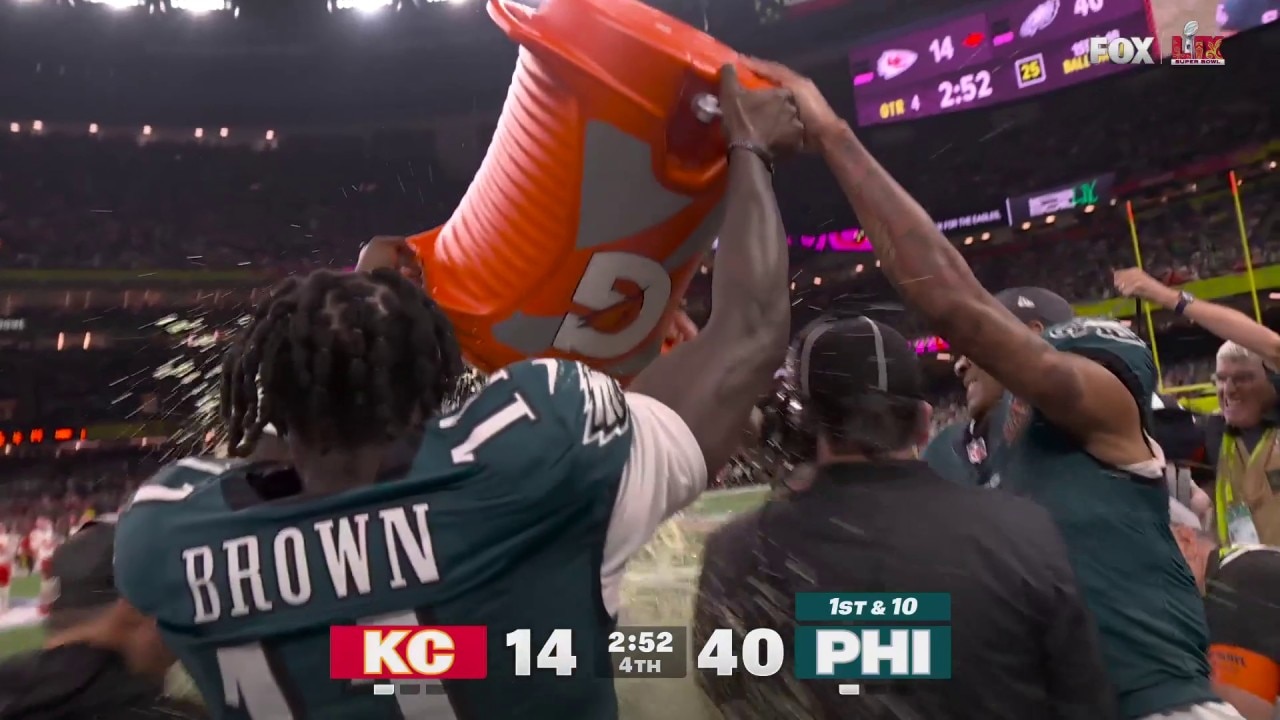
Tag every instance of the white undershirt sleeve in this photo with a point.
(664, 473)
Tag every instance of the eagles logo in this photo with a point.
(605, 407)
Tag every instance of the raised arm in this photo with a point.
(1224, 322)
(713, 380)
(1079, 395)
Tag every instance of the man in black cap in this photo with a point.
(959, 451)
(867, 516)
(101, 658)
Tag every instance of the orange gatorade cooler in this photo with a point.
(601, 191)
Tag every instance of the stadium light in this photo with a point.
(364, 7)
(62, 340)
(1088, 208)
(117, 4)
(1026, 225)
(37, 126)
(877, 263)
(271, 135)
(817, 280)
(223, 132)
(88, 340)
(199, 133)
(1051, 219)
(1113, 202)
(857, 269)
(146, 130)
(199, 7)
(793, 287)
(1271, 165)
(93, 128)
(15, 127)
(986, 236)
(968, 240)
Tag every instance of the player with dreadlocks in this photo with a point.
(354, 361)
(517, 512)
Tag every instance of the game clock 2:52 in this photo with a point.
(645, 641)
(658, 651)
(965, 89)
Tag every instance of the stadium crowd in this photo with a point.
(65, 489)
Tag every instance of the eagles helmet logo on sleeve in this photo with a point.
(1100, 327)
(605, 407)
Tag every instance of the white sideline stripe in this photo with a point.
(19, 616)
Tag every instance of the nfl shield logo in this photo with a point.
(977, 449)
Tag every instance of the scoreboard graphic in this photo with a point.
(1018, 49)
(844, 637)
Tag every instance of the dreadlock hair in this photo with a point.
(339, 360)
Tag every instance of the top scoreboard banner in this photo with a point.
(1011, 51)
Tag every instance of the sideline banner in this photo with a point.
(1068, 196)
(853, 240)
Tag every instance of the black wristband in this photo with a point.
(759, 151)
(1184, 299)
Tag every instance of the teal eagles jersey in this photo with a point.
(516, 513)
(948, 456)
(1115, 522)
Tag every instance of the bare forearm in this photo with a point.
(934, 278)
(712, 381)
(1229, 324)
(748, 289)
(1233, 325)
(925, 268)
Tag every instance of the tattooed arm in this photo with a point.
(712, 381)
(931, 275)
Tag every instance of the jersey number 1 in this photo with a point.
(489, 428)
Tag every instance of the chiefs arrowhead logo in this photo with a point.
(893, 63)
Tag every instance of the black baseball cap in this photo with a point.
(83, 569)
(1033, 304)
(843, 357)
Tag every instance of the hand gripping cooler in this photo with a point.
(599, 195)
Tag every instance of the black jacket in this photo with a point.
(79, 681)
(1023, 643)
